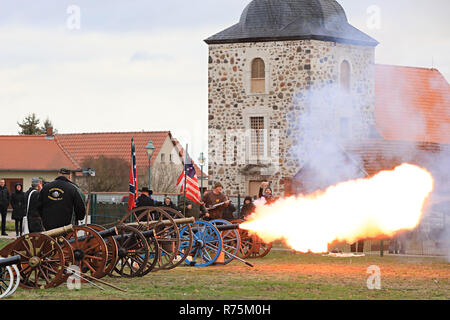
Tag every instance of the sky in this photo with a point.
(134, 65)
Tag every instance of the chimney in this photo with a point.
(49, 133)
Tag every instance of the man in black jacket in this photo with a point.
(59, 201)
(32, 198)
(4, 203)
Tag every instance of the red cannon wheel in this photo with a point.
(186, 239)
(246, 247)
(42, 261)
(133, 252)
(89, 250)
(167, 235)
(111, 245)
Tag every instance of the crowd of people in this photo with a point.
(46, 206)
(60, 202)
(215, 204)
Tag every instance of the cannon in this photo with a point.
(46, 258)
(251, 245)
(9, 275)
(167, 234)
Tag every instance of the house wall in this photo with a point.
(293, 68)
(28, 175)
(168, 150)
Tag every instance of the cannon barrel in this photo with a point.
(104, 234)
(225, 227)
(146, 234)
(154, 224)
(9, 261)
(59, 231)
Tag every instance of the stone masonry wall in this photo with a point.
(292, 69)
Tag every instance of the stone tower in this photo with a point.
(261, 71)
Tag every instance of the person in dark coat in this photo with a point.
(4, 203)
(248, 208)
(32, 198)
(192, 209)
(168, 203)
(60, 202)
(229, 211)
(145, 200)
(18, 204)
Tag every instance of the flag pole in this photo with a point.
(184, 189)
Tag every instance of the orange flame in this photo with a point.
(382, 205)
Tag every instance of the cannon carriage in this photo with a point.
(156, 239)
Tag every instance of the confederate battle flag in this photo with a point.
(133, 179)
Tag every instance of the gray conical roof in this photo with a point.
(276, 20)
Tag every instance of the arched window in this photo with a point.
(345, 75)
(258, 80)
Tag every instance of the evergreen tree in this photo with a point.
(30, 125)
(48, 124)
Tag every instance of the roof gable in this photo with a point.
(117, 144)
(412, 104)
(35, 153)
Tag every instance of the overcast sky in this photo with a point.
(142, 65)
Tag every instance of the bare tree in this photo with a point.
(111, 174)
(164, 177)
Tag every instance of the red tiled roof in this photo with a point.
(33, 153)
(412, 104)
(116, 144)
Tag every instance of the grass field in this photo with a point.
(281, 275)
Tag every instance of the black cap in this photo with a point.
(64, 171)
(145, 189)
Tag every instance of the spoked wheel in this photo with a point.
(6, 281)
(260, 248)
(133, 252)
(68, 257)
(42, 261)
(153, 254)
(111, 245)
(186, 240)
(246, 242)
(207, 244)
(89, 250)
(166, 233)
(231, 241)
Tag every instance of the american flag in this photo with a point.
(192, 188)
(133, 179)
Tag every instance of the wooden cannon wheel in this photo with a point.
(89, 250)
(230, 239)
(68, 257)
(133, 253)
(186, 239)
(167, 235)
(153, 254)
(260, 248)
(246, 241)
(112, 247)
(42, 261)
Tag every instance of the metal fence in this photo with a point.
(108, 208)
